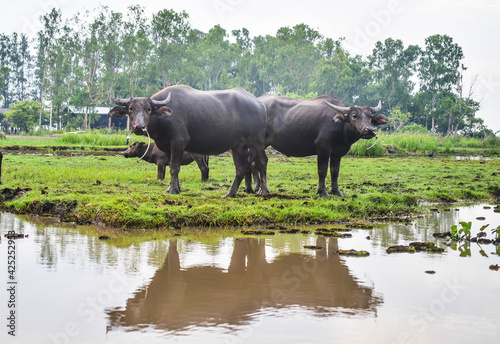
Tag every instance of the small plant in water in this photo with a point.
(497, 232)
(482, 233)
(461, 233)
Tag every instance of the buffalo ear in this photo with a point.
(379, 119)
(118, 112)
(163, 111)
(338, 118)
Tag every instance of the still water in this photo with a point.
(72, 288)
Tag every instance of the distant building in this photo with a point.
(104, 121)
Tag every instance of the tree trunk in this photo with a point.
(50, 118)
(41, 108)
(450, 121)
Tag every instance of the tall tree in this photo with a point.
(170, 31)
(216, 55)
(341, 75)
(439, 71)
(50, 60)
(137, 48)
(5, 58)
(296, 57)
(393, 67)
(245, 71)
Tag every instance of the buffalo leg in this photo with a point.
(202, 162)
(261, 167)
(334, 171)
(175, 168)
(161, 171)
(248, 179)
(1, 158)
(241, 163)
(258, 161)
(322, 172)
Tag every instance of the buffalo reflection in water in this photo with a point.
(205, 295)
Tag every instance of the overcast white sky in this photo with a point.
(473, 24)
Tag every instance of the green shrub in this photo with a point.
(94, 138)
(413, 128)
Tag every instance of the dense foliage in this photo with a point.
(76, 61)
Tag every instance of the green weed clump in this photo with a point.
(370, 147)
(93, 138)
(413, 142)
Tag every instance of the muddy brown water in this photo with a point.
(72, 288)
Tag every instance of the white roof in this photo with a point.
(98, 110)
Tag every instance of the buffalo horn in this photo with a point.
(340, 109)
(118, 101)
(159, 103)
(377, 108)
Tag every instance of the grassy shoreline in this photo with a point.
(113, 191)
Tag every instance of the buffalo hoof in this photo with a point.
(229, 195)
(173, 191)
(322, 193)
(336, 193)
(249, 190)
(263, 192)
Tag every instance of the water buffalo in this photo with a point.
(201, 122)
(324, 126)
(154, 155)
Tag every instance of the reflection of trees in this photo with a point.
(58, 243)
(177, 298)
(421, 229)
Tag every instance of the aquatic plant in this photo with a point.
(462, 232)
(497, 232)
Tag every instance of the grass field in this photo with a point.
(119, 192)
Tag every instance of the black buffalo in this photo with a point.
(201, 122)
(156, 156)
(324, 126)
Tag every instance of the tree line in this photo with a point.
(75, 61)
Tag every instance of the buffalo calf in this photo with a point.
(161, 159)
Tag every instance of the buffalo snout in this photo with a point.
(368, 133)
(139, 129)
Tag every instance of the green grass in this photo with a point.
(93, 138)
(420, 143)
(119, 192)
(387, 144)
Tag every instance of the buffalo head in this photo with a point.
(140, 110)
(136, 149)
(360, 119)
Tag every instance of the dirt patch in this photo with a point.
(8, 194)
(280, 196)
(58, 208)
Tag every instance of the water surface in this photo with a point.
(72, 288)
